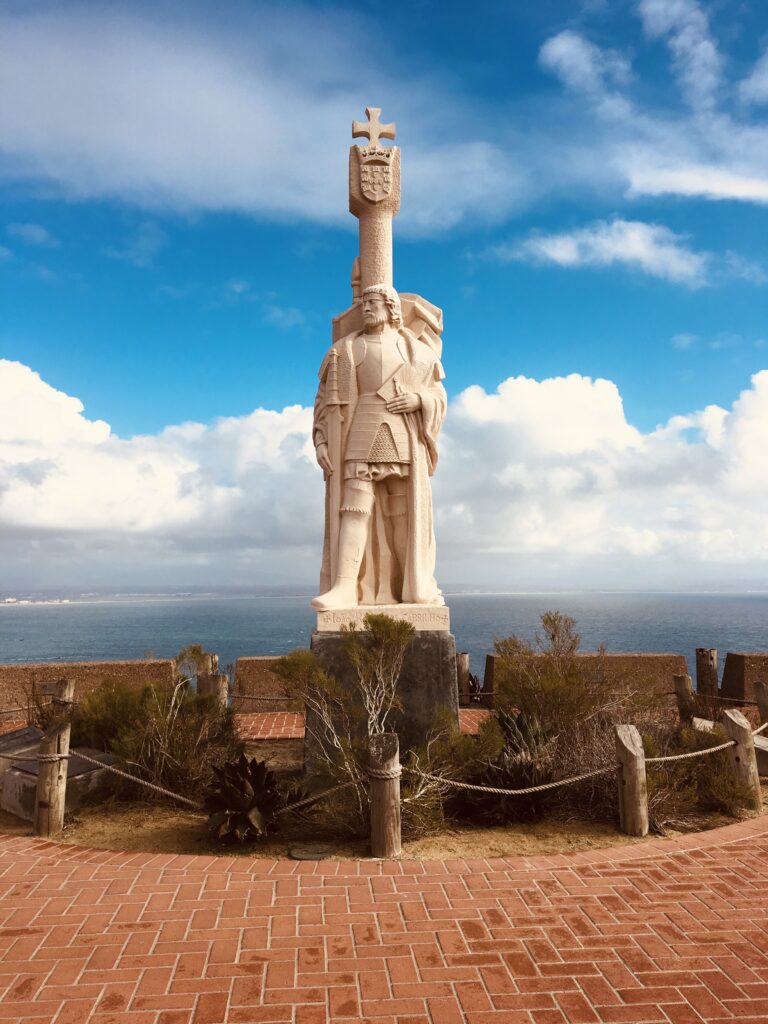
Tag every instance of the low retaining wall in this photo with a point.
(741, 672)
(649, 671)
(254, 678)
(16, 681)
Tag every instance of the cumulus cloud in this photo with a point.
(248, 112)
(33, 234)
(649, 248)
(547, 473)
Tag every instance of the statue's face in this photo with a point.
(374, 310)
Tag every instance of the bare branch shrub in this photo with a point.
(341, 720)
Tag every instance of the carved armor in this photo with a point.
(377, 435)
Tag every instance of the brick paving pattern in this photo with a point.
(287, 725)
(270, 725)
(666, 931)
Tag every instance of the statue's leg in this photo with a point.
(396, 510)
(356, 506)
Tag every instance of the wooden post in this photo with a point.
(462, 675)
(742, 756)
(384, 771)
(488, 686)
(52, 775)
(684, 695)
(761, 697)
(222, 689)
(633, 791)
(706, 671)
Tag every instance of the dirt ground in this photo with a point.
(155, 828)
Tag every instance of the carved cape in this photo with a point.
(421, 372)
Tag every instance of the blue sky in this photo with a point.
(584, 193)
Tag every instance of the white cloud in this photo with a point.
(540, 476)
(656, 148)
(284, 317)
(143, 246)
(582, 65)
(708, 182)
(5, 253)
(696, 58)
(754, 88)
(650, 248)
(684, 341)
(33, 234)
(248, 113)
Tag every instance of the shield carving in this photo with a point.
(375, 181)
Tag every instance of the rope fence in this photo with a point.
(385, 770)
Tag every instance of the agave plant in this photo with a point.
(241, 801)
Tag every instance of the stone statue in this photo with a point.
(390, 385)
(378, 412)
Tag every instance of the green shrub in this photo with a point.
(679, 792)
(166, 735)
(341, 719)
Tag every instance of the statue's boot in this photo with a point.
(353, 535)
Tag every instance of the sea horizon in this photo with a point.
(125, 623)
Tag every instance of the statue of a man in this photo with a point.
(378, 520)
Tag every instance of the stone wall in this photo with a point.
(254, 678)
(16, 681)
(648, 671)
(741, 672)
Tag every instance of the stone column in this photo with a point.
(374, 196)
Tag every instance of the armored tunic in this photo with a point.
(378, 443)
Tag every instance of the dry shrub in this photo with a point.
(570, 714)
(342, 720)
(680, 792)
(164, 735)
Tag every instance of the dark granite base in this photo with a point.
(427, 683)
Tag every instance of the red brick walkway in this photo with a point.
(667, 931)
(288, 725)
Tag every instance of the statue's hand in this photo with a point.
(323, 459)
(405, 403)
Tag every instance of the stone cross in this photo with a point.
(373, 129)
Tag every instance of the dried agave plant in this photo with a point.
(242, 800)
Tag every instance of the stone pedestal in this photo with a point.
(428, 680)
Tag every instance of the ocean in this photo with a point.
(235, 623)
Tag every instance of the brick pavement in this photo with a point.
(287, 725)
(669, 931)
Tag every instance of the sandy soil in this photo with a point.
(157, 829)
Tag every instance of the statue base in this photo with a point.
(433, 617)
(427, 685)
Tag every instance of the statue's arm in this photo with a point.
(319, 432)
(319, 424)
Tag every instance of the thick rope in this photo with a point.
(313, 799)
(387, 774)
(759, 729)
(510, 792)
(141, 782)
(690, 753)
(44, 758)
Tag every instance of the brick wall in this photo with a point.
(16, 681)
(254, 677)
(649, 671)
(740, 673)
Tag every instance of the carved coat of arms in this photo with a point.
(375, 181)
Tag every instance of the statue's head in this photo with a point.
(381, 304)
